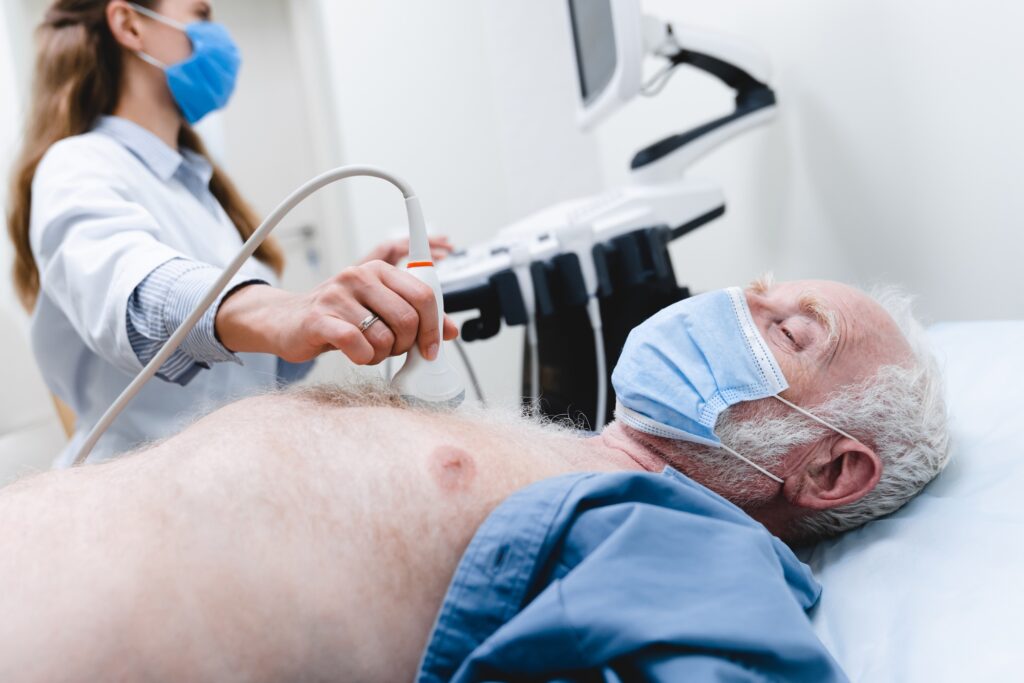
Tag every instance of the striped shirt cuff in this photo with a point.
(201, 343)
(162, 301)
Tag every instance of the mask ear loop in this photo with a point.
(817, 419)
(149, 59)
(754, 465)
(156, 16)
(803, 412)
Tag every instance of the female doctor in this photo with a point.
(121, 222)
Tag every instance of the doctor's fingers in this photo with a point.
(440, 247)
(393, 251)
(379, 334)
(343, 304)
(395, 312)
(342, 335)
(421, 297)
(451, 330)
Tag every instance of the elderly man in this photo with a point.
(340, 535)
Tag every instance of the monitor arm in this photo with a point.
(736, 64)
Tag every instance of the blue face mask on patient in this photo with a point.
(205, 81)
(680, 369)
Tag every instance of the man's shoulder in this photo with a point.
(624, 561)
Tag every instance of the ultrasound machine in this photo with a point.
(583, 273)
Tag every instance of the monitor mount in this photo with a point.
(732, 63)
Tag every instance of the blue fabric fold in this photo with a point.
(626, 576)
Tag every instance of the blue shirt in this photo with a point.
(162, 301)
(626, 576)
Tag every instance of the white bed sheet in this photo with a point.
(935, 592)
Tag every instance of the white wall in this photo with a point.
(450, 96)
(267, 139)
(10, 122)
(896, 157)
(30, 435)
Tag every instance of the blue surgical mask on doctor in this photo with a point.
(204, 82)
(680, 369)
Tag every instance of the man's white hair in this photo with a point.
(901, 413)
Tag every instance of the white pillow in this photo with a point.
(933, 592)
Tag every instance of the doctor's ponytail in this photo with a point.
(77, 79)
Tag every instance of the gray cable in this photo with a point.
(532, 343)
(471, 372)
(594, 313)
(250, 246)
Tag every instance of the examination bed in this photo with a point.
(933, 592)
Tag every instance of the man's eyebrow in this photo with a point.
(813, 306)
(763, 283)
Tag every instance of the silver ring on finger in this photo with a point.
(369, 320)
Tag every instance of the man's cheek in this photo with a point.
(800, 380)
(759, 409)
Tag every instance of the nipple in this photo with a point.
(452, 468)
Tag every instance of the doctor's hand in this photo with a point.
(394, 251)
(299, 327)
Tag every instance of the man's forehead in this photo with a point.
(863, 314)
(829, 288)
(840, 298)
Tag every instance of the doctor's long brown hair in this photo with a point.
(78, 79)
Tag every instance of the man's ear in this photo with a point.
(124, 25)
(844, 473)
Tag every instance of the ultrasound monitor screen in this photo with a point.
(594, 36)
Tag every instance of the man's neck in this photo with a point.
(616, 447)
(615, 444)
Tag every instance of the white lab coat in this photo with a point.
(101, 221)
